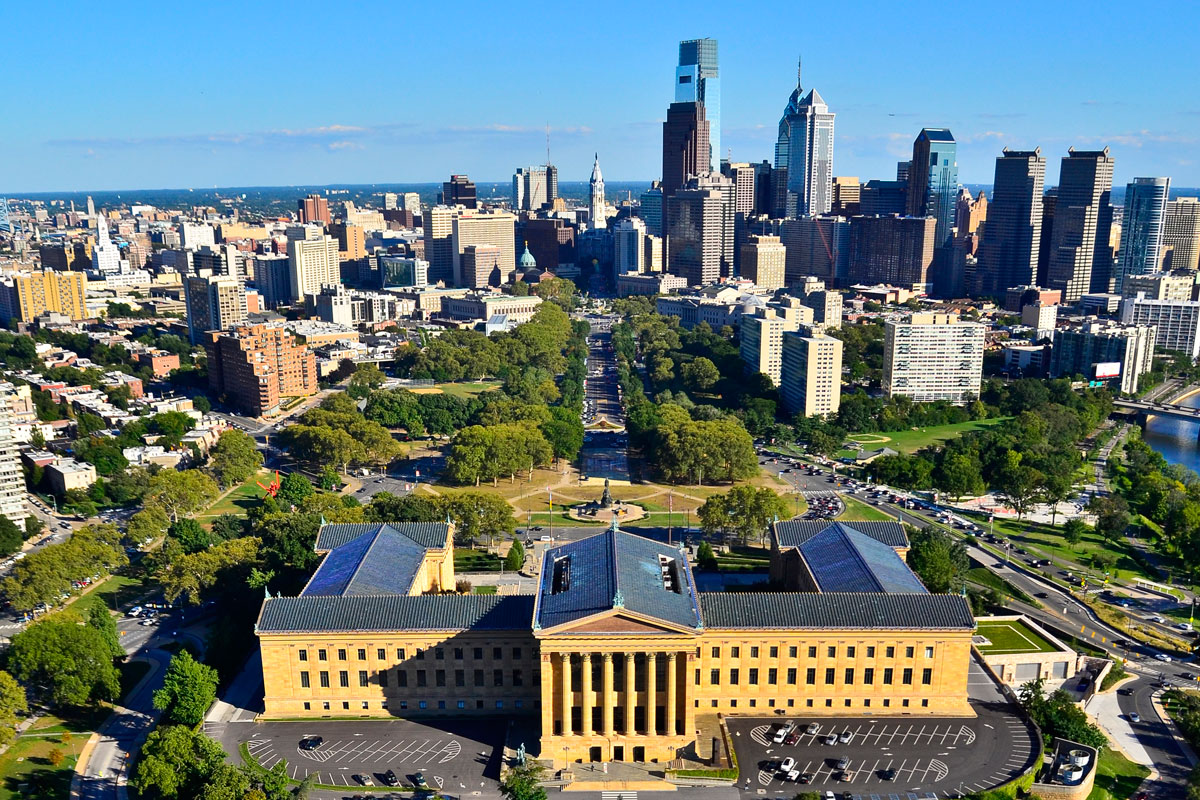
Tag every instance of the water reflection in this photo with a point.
(1176, 439)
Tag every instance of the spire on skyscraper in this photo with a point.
(799, 66)
(596, 201)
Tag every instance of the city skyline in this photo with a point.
(208, 127)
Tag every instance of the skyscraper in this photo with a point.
(1082, 220)
(651, 209)
(596, 202)
(459, 191)
(933, 192)
(763, 259)
(804, 150)
(897, 251)
(313, 263)
(933, 357)
(213, 304)
(811, 373)
(534, 187)
(1142, 228)
(698, 80)
(1181, 233)
(1008, 255)
(816, 246)
(700, 230)
(685, 145)
(106, 256)
(12, 480)
(628, 250)
(313, 208)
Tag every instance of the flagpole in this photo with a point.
(550, 508)
(670, 507)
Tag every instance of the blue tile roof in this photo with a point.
(383, 561)
(836, 610)
(841, 559)
(615, 569)
(458, 612)
(426, 534)
(795, 532)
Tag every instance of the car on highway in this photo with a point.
(310, 742)
(1162, 656)
(1042, 595)
(1185, 626)
(1135, 717)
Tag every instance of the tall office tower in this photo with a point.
(596, 204)
(897, 251)
(412, 202)
(804, 151)
(1008, 255)
(1176, 322)
(313, 209)
(698, 80)
(552, 242)
(391, 201)
(273, 279)
(352, 239)
(534, 187)
(439, 243)
(476, 227)
(1049, 204)
(700, 230)
(880, 198)
(651, 208)
(762, 187)
(222, 259)
(12, 479)
(933, 192)
(816, 246)
(213, 304)
(652, 253)
(970, 212)
(761, 342)
(764, 260)
(811, 373)
(458, 191)
(847, 196)
(1142, 228)
(629, 245)
(903, 169)
(685, 146)
(106, 256)
(1082, 218)
(1080, 351)
(481, 266)
(31, 294)
(1181, 234)
(91, 206)
(933, 357)
(313, 263)
(742, 176)
(194, 235)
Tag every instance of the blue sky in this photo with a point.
(168, 95)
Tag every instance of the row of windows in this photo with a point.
(809, 703)
(810, 676)
(422, 678)
(439, 653)
(830, 651)
(420, 704)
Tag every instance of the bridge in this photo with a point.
(1150, 408)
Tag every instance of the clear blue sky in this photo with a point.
(169, 95)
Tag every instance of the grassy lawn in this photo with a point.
(85, 721)
(111, 594)
(1048, 541)
(858, 511)
(26, 771)
(911, 441)
(466, 560)
(744, 559)
(1117, 778)
(483, 590)
(459, 389)
(985, 577)
(1012, 637)
(243, 498)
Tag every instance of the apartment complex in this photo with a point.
(761, 342)
(897, 251)
(12, 478)
(811, 374)
(1181, 233)
(1176, 322)
(258, 366)
(213, 304)
(933, 357)
(700, 230)
(1161, 286)
(312, 263)
(764, 261)
(1092, 349)
(31, 294)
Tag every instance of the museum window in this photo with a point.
(362, 654)
(362, 678)
(887, 676)
(716, 652)
(926, 676)
(906, 678)
(477, 654)
(772, 676)
(421, 680)
(516, 703)
(341, 654)
(343, 679)
(869, 675)
(867, 703)
(870, 651)
(303, 655)
(421, 654)
(850, 651)
(497, 653)
(401, 678)
(847, 702)
(381, 654)
(733, 677)
(754, 652)
(516, 654)
(479, 677)
(733, 703)
(499, 704)
(422, 704)
(497, 677)
(383, 680)
(753, 676)
(304, 680)
(345, 705)
(399, 653)
(890, 652)
(441, 705)
(324, 676)
(714, 677)
(849, 676)
(793, 651)
(904, 703)
(925, 703)
(829, 702)
(791, 676)
(812, 651)
(808, 703)
(462, 703)
(321, 655)
(325, 705)
(929, 652)
(439, 677)
(810, 676)
(460, 677)
(479, 706)
(735, 652)
(832, 651)
(887, 703)
(458, 654)
(517, 679)
(908, 652)
(307, 706)
(439, 653)
(829, 676)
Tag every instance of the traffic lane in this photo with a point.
(1164, 750)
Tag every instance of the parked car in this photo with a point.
(390, 778)
(419, 781)
(812, 728)
(311, 742)
(888, 775)
(788, 764)
(364, 780)
(784, 729)
(846, 736)
(831, 739)
(793, 738)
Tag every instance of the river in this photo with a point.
(1176, 439)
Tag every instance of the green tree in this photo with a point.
(294, 489)
(227, 564)
(12, 705)
(1058, 485)
(98, 617)
(515, 559)
(190, 534)
(524, 783)
(201, 404)
(234, 458)
(176, 763)
(1019, 485)
(1112, 515)
(148, 524)
(387, 507)
(938, 560)
(705, 557)
(365, 379)
(1074, 531)
(479, 515)
(330, 479)
(33, 527)
(11, 537)
(72, 663)
(181, 494)
(189, 688)
(701, 374)
(743, 510)
(960, 476)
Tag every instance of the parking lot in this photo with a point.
(881, 756)
(456, 756)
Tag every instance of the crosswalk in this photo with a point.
(618, 796)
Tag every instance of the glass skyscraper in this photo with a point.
(1142, 227)
(698, 80)
(933, 192)
(804, 156)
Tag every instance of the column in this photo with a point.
(672, 688)
(689, 705)
(585, 701)
(565, 698)
(610, 699)
(651, 694)
(630, 665)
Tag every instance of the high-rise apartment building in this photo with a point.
(804, 155)
(221, 259)
(933, 192)
(273, 279)
(651, 208)
(1079, 351)
(847, 196)
(534, 187)
(597, 216)
(764, 261)
(700, 230)
(259, 366)
(894, 250)
(313, 209)
(1181, 234)
(1082, 219)
(811, 374)
(477, 227)
(933, 357)
(12, 478)
(816, 246)
(882, 198)
(106, 256)
(761, 342)
(458, 191)
(26, 295)
(213, 304)
(628, 240)
(481, 266)
(1176, 322)
(1160, 285)
(1008, 254)
(685, 146)
(742, 174)
(352, 240)
(1142, 228)
(698, 80)
(825, 303)
(439, 243)
(313, 263)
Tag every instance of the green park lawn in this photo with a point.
(111, 593)
(466, 389)
(910, 441)
(1116, 776)
(858, 511)
(27, 773)
(1042, 539)
(241, 499)
(467, 560)
(1012, 637)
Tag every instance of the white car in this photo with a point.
(788, 765)
(1185, 626)
(783, 731)
(846, 737)
(1162, 656)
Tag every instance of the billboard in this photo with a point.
(1108, 369)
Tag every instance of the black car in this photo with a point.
(311, 742)
(888, 775)
(390, 779)
(1042, 595)
(419, 781)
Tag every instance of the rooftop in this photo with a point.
(836, 610)
(841, 559)
(426, 534)
(1009, 637)
(457, 612)
(795, 532)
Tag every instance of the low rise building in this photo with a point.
(66, 474)
(482, 306)
(648, 284)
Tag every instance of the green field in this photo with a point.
(1012, 637)
(467, 560)
(26, 770)
(911, 441)
(1117, 778)
(462, 389)
(241, 499)
(858, 511)
(111, 594)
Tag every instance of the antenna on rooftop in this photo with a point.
(547, 144)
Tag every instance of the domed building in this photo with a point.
(527, 268)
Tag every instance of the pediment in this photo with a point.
(619, 623)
